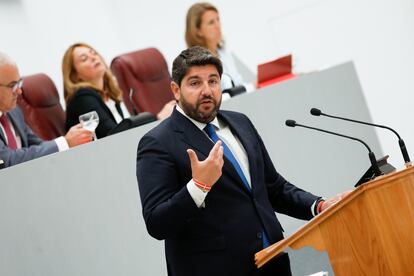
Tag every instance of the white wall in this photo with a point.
(377, 35)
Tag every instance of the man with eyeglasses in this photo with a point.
(14, 85)
(18, 143)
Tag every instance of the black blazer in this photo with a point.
(88, 99)
(222, 238)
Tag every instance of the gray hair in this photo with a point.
(5, 59)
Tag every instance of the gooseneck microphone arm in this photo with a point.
(371, 155)
(318, 112)
(231, 79)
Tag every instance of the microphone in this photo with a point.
(234, 90)
(371, 155)
(318, 112)
(231, 79)
(134, 108)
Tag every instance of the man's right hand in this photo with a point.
(209, 170)
(77, 135)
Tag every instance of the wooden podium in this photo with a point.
(370, 232)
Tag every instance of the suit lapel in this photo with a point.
(245, 136)
(191, 134)
(197, 140)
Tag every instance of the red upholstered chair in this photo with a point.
(41, 107)
(143, 77)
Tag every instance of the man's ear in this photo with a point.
(175, 88)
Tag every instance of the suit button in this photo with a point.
(259, 235)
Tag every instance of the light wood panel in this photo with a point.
(370, 232)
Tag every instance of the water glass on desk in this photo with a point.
(90, 121)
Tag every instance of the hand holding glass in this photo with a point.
(90, 121)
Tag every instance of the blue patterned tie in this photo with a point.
(211, 132)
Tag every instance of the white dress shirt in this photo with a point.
(233, 143)
(61, 142)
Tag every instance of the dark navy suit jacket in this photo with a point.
(222, 238)
(32, 146)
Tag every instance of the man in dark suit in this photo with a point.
(18, 143)
(215, 214)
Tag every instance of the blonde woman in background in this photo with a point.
(89, 85)
(203, 28)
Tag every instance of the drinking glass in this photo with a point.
(90, 121)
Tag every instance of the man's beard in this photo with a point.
(194, 113)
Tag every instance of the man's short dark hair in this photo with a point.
(194, 56)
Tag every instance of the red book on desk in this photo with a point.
(274, 71)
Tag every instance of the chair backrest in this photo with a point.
(40, 105)
(145, 73)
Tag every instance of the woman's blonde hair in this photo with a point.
(193, 23)
(71, 84)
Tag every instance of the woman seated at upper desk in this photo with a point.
(203, 28)
(89, 85)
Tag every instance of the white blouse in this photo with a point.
(230, 72)
(112, 107)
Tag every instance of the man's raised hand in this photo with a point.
(209, 170)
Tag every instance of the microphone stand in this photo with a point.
(374, 165)
(318, 112)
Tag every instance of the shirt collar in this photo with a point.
(198, 124)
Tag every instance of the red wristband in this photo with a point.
(202, 186)
(319, 208)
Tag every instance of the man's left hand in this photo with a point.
(333, 200)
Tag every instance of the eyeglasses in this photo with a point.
(14, 85)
